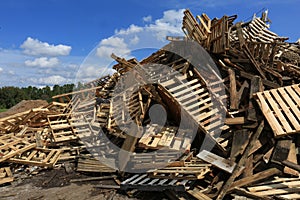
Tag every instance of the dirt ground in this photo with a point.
(56, 184)
(23, 106)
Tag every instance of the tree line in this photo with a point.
(10, 96)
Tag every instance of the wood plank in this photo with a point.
(217, 161)
(278, 191)
(277, 129)
(239, 166)
(286, 109)
(278, 112)
(183, 85)
(188, 89)
(235, 120)
(254, 178)
(232, 90)
(292, 105)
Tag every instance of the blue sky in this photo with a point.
(62, 41)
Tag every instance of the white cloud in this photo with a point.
(35, 47)
(51, 80)
(131, 29)
(169, 24)
(1, 70)
(42, 62)
(111, 45)
(147, 18)
(134, 40)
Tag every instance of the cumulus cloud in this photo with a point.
(42, 62)
(134, 40)
(35, 47)
(130, 30)
(50, 80)
(1, 70)
(169, 24)
(111, 45)
(147, 18)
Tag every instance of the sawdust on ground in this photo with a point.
(23, 106)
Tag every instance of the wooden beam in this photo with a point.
(254, 178)
(241, 162)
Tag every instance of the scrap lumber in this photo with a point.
(217, 161)
(228, 129)
(143, 183)
(241, 162)
(6, 175)
(37, 157)
(11, 145)
(278, 103)
(286, 188)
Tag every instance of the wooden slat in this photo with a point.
(269, 115)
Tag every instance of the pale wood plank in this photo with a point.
(277, 129)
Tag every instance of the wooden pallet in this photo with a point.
(90, 164)
(193, 29)
(125, 108)
(11, 145)
(6, 175)
(186, 172)
(103, 114)
(144, 183)
(142, 161)
(66, 129)
(167, 137)
(281, 108)
(197, 101)
(37, 157)
(282, 188)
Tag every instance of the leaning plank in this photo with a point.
(217, 161)
(198, 194)
(254, 178)
(239, 166)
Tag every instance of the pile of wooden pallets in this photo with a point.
(245, 119)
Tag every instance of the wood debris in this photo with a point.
(245, 119)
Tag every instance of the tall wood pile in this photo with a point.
(246, 118)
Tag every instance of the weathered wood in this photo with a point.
(291, 165)
(217, 161)
(233, 92)
(235, 120)
(254, 178)
(256, 86)
(241, 162)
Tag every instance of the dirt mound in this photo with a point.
(23, 106)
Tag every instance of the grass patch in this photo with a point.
(3, 109)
